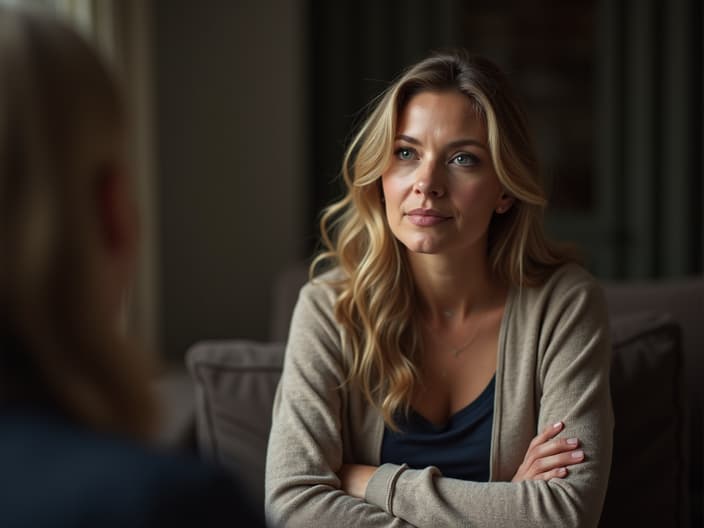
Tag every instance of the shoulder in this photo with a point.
(325, 287)
(318, 297)
(569, 277)
(569, 304)
(168, 488)
(570, 296)
(567, 283)
(316, 339)
(116, 480)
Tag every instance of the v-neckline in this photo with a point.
(476, 402)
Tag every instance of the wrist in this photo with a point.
(354, 479)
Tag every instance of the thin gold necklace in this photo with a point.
(457, 350)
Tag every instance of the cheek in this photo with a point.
(393, 200)
(477, 199)
(392, 189)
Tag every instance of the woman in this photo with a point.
(75, 404)
(449, 333)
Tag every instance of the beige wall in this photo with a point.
(231, 129)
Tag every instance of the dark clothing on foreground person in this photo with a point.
(57, 474)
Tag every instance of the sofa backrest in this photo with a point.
(683, 300)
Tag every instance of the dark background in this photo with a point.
(612, 89)
(255, 101)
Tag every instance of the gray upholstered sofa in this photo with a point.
(658, 362)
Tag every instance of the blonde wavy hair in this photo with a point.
(61, 119)
(377, 297)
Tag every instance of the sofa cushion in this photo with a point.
(648, 479)
(235, 382)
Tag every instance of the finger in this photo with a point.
(560, 472)
(549, 432)
(553, 447)
(549, 463)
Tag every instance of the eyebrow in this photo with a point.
(452, 144)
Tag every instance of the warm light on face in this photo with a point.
(440, 189)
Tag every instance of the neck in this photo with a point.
(451, 287)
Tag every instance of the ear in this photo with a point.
(504, 203)
(117, 215)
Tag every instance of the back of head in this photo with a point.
(61, 119)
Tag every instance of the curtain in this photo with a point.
(651, 137)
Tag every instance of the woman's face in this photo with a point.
(441, 189)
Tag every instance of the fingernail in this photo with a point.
(557, 425)
(572, 441)
(561, 471)
(578, 454)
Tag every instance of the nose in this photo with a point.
(430, 180)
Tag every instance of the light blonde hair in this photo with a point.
(376, 297)
(61, 119)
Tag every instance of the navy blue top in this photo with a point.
(460, 448)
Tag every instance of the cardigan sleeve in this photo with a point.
(572, 384)
(305, 444)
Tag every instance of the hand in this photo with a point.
(354, 479)
(547, 458)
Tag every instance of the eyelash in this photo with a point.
(473, 160)
(398, 151)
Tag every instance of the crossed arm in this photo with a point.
(547, 458)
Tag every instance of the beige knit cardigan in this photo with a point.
(552, 365)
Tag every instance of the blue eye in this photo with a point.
(405, 154)
(465, 160)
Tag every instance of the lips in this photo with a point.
(426, 217)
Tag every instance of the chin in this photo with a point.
(425, 246)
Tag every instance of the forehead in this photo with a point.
(443, 114)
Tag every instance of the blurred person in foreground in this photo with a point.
(75, 405)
